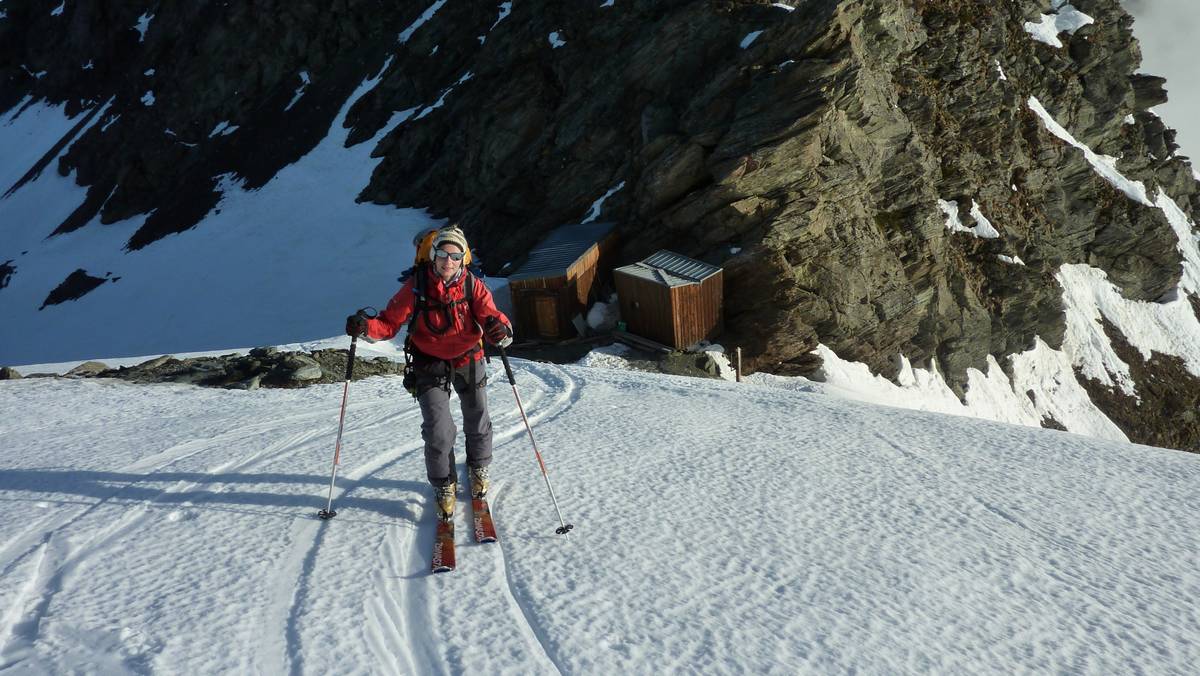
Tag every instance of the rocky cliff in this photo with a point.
(876, 175)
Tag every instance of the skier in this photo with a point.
(445, 306)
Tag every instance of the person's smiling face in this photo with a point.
(447, 260)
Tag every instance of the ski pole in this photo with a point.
(328, 512)
(564, 527)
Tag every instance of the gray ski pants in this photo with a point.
(437, 426)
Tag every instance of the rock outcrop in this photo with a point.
(262, 367)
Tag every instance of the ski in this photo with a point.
(481, 516)
(443, 548)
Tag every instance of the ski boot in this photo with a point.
(443, 498)
(479, 481)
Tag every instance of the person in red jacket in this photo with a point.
(445, 344)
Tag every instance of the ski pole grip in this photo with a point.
(507, 369)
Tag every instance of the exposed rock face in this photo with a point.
(263, 367)
(1167, 411)
(818, 149)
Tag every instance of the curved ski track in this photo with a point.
(56, 560)
(402, 607)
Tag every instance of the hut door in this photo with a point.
(547, 316)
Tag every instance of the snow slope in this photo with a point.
(720, 528)
(282, 263)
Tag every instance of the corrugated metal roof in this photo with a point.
(671, 269)
(561, 248)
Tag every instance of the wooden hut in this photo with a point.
(557, 280)
(671, 299)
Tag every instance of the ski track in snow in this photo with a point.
(398, 632)
(64, 562)
(535, 636)
(57, 561)
(915, 542)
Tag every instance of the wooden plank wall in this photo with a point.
(525, 308)
(646, 308)
(697, 311)
(583, 271)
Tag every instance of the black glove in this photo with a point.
(356, 325)
(497, 332)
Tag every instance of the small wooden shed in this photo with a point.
(671, 299)
(556, 282)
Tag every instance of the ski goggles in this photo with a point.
(446, 254)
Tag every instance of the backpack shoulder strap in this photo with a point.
(420, 299)
(469, 290)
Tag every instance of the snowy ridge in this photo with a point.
(171, 529)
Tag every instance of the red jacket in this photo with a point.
(432, 334)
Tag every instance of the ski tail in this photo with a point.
(481, 517)
(443, 548)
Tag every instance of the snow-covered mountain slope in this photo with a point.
(282, 263)
(719, 528)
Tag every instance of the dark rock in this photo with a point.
(6, 272)
(87, 369)
(251, 383)
(75, 286)
(1148, 90)
(1173, 421)
(688, 364)
(7, 373)
(155, 363)
(271, 369)
(301, 368)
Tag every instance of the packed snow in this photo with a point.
(597, 206)
(982, 229)
(1065, 19)
(223, 129)
(420, 21)
(143, 25)
(749, 39)
(27, 132)
(761, 527)
(442, 99)
(304, 82)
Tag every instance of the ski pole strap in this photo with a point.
(507, 369)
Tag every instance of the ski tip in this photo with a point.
(441, 569)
